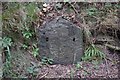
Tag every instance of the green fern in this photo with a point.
(92, 52)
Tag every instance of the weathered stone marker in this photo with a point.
(61, 41)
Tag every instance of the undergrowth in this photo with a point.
(92, 53)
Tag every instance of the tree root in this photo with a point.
(113, 47)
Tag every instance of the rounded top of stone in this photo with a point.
(58, 22)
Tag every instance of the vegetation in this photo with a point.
(7, 43)
(17, 20)
(93, 53)
(21, 21)
(46, 61)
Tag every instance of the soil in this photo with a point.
(100, 69)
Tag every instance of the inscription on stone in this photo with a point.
(61, 40)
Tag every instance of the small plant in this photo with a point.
(7, 68)
(46, 61)
(6, 43)
(27, 34)
(93, 53)
(108, 5)
(78, 65)
(25, 46)
(91, 11)
(117, 6)
(35, 50)
(31, 70)
(95, 63)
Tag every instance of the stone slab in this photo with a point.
(61, 40)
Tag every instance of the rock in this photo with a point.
(61, 41)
